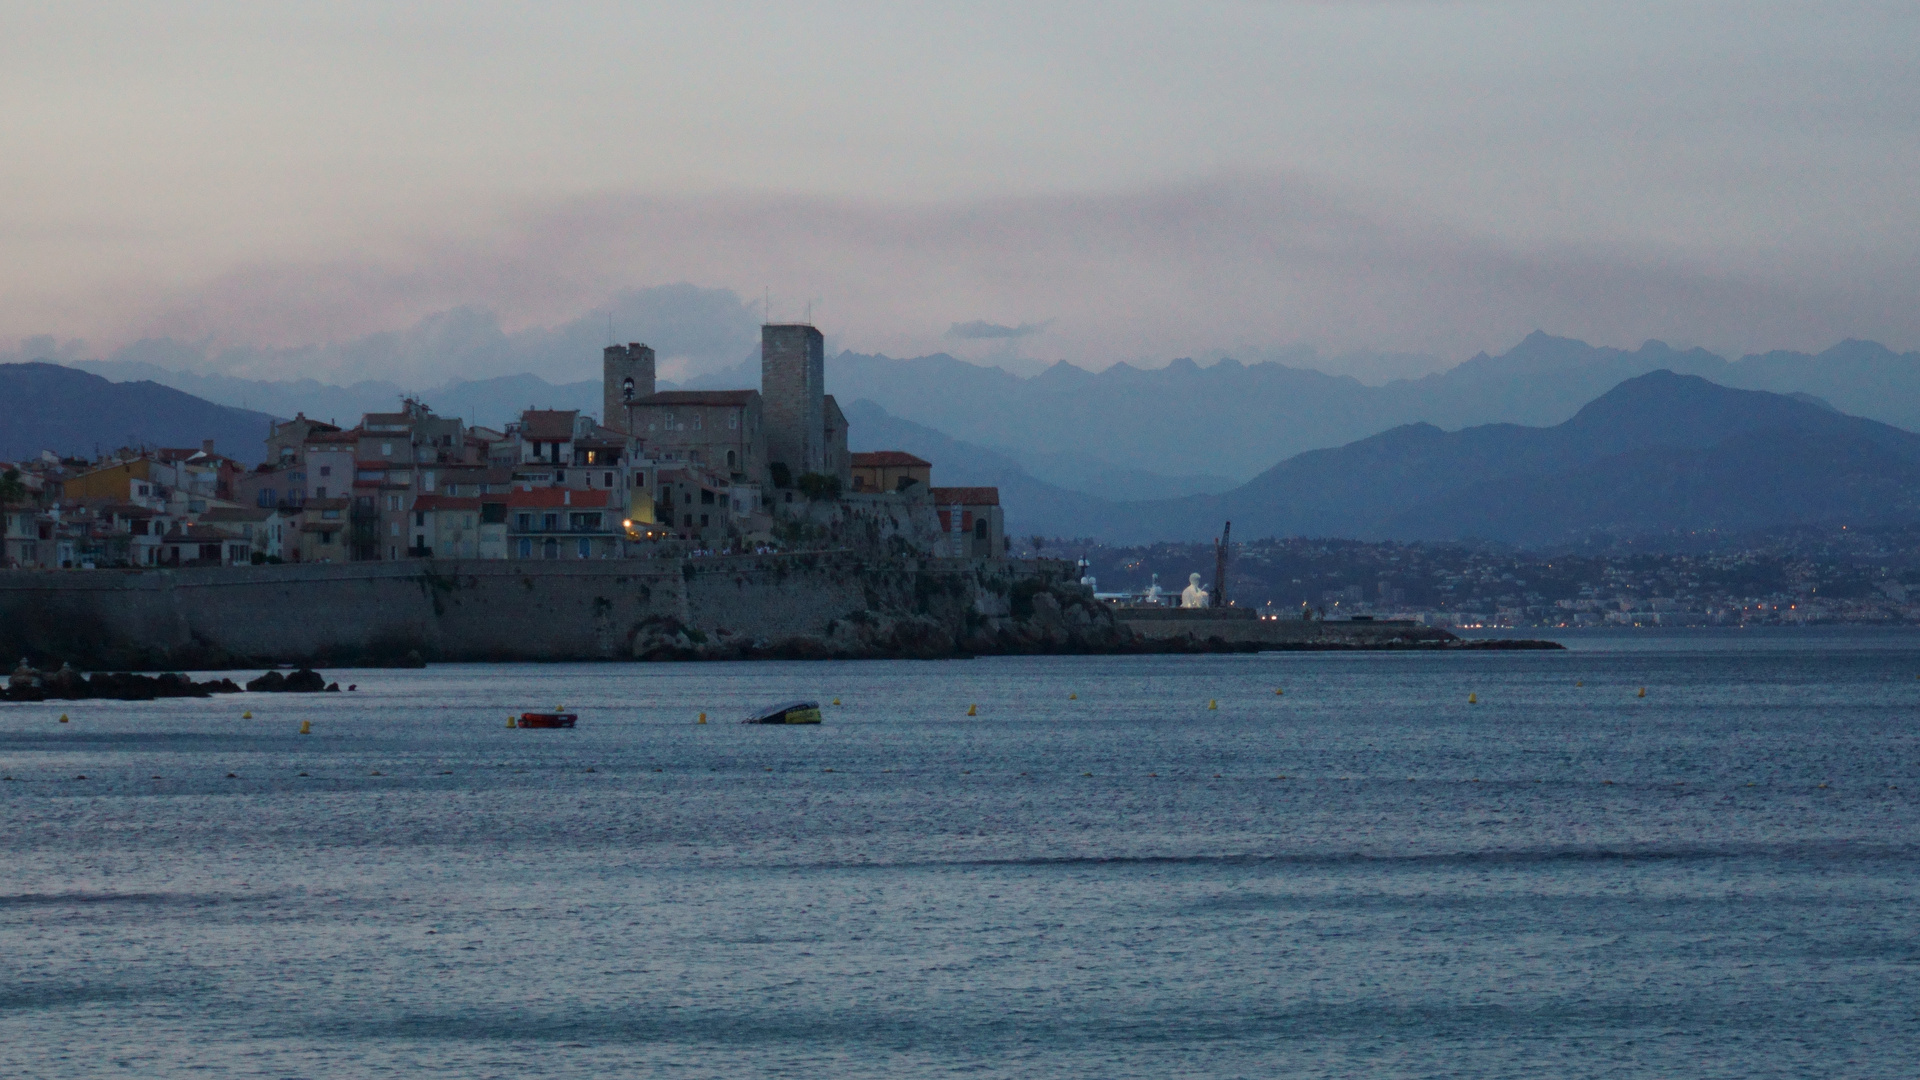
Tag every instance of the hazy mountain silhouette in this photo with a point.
(1234, 420)
(1659, 452)
(51, 407)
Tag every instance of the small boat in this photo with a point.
(793, 712)
(548, 719)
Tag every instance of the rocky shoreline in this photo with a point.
(65, 683)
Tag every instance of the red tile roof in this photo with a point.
(553, 498)
(889, 459)
(965, 496)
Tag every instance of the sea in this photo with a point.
(1655, 854)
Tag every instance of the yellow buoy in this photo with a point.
(248, 715)
(1577, 682)
(1277, 691)
(63, 718)
(1213, 703)
(973, 710)
(702, 720)
(306, 727)
(510, 721)
(1473, 699)
(1073, 697)
(1643, 692)
(836, 701)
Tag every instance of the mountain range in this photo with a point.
(1130, 433)
(70, 412)
(1660, 452)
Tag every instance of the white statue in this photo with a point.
(1193, 595)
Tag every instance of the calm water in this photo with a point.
(1364, 876)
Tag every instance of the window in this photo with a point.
(526, 546)
(733, 461)
(585, 547)
(326, 470)
(393, 528)
(696, 421)
(393, 502)
(386, 449)
(609, 480)
(523, 523)
(706, 497)
(703, 521)
(549, 522)
(419, 519)
(733, 420)
(320, 492)
(980, 529)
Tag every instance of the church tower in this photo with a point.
(626, 379)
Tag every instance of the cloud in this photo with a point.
(981, 330)
(1236, 263)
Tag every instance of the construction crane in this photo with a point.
(1220, 566)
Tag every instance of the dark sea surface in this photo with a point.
(1365, 876)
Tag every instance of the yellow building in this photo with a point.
(124, 481)
(890, 470)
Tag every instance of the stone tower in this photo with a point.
(626, 376)
(793, 387)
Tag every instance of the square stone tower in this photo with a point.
(793, 390)
(626, 378)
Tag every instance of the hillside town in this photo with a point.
(659, 472)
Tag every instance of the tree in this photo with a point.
(1038, 542)
(11, 489)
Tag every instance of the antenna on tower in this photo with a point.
(766, 306)
(609, 329)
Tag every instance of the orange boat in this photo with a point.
(548, 719)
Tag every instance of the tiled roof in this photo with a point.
(699, 397)
(222, 514)
(552, 499)
(965, 496)
(548, 424)
(446, 502)
(888, 459)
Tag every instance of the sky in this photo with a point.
(270, 187)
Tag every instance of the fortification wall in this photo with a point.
(820, 604)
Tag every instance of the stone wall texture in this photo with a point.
(828, 604)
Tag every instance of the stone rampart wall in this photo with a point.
(818, 604)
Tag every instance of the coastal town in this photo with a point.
(659, 472)
(1823, 575)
